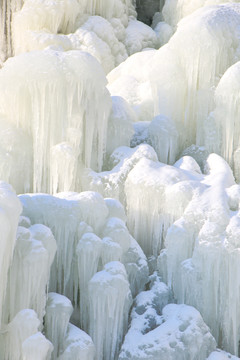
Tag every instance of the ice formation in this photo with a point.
(165, 331)
(52, 105)
(129, 134)
(109, 301)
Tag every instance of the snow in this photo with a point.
(165, 331)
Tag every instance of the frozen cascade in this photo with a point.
(109, 302)
(52, 104)
(10, 209)
(78, 222)
(58, 312)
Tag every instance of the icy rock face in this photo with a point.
(109, 301)
(21, 339)
(32, 259)
(77, 345)
(162, 333)
(67, 87)
(204, 245)
(10, 210)
(58, 312)
(149, 216)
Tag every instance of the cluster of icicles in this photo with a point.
(124, 141)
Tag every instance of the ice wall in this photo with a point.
(52, 100)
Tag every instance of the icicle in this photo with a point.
(110, 300)
(31, 264)
(88, 253)
(62, 110)
(58, 312)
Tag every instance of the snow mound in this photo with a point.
(159, 331)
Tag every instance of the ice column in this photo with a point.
(109, 301)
